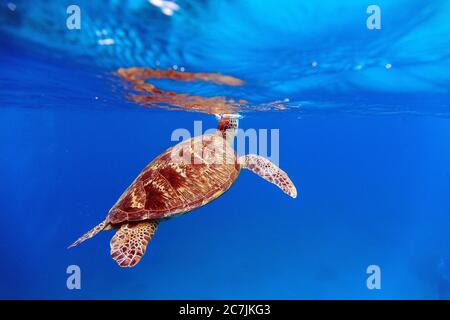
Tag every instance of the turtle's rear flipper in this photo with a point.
(130, 241)
(101, 226)
(269, 171)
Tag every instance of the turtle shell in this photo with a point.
(184, 177)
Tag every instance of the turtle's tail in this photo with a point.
(102, 225)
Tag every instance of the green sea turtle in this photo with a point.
(183, 178)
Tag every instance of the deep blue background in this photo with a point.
(372, 172)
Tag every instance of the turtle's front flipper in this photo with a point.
(268, 171)
(130, 241)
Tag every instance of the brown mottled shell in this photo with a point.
(184, 177)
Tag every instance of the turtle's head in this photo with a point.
(228, 125)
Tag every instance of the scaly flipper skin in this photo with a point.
(101, 226)
(268, 171)
(130, 241)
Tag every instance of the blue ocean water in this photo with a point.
(365, 137)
